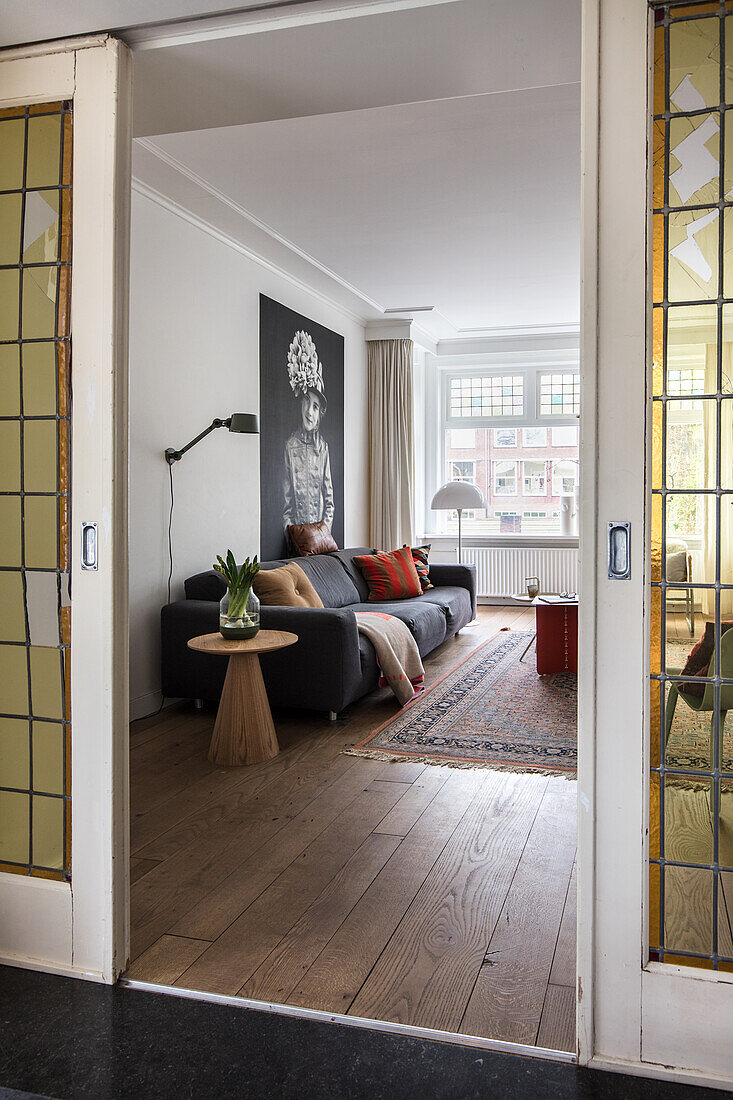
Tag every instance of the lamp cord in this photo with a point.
(170, 535)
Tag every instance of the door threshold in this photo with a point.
(389, 1028)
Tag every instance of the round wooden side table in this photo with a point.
(244, 732)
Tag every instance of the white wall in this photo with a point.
(194, 355)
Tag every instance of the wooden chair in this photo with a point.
(705, 702)
(679, 571)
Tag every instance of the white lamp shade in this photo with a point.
(458, 494)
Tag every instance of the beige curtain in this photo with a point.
(391, 465)
(726, 468)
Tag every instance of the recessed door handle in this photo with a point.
(88, 545)
(619, 550)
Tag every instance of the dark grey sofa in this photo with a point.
(331, 665)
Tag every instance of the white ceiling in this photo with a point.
(470, 205)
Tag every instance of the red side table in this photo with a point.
(557, 633)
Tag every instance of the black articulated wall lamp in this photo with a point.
(244, 423)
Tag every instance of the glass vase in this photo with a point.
(239, 614)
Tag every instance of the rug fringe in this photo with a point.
(391, 758)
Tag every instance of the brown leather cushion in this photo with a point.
(312, 538)
(286, 586)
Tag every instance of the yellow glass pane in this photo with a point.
(10, 210)
(13, 680)
(688, 910)
(655, 728)
(692, 350)
(48, 757)
(14, 753)
(659, 63)
(10, 543)
(44, 151)
(12, 602)
(40, 456)
(9, 304)
(656, 538)
(654, 895)
(39, 302)
(39, 379)
(659, 134)
(12, 137)
(46, 687)
(658, 257)
(9, 456)
(657, 437)
(694, 160)
(48, 831)
(694, 64)
(693, 255)
(729, 60)
(41, 532)
(9, 380)
(14, 827)
(725, 843)
(655, 619)
(41, 227)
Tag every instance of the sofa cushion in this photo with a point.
(390, 575)
(287, 586)
(328, 577)
(455, 603)
(425, 620)
(420, 556)
(346, 557)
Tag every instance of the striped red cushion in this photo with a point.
(390, 576)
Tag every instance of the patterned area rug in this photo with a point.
(490, 711)
(689, 744)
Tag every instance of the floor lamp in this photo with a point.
(458, 495)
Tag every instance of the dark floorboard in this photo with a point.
(65, 1038)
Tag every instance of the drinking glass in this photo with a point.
(533, 587)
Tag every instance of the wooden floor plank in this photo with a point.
(414, 801)
(140, 867)
(166, 959)
(336, 976)
(401, 771)
(281, 971)
(173, 888)
(557, 1025)
(428, 967)
(213, 914)
(564, 960)
(237, 953)
(510, 986)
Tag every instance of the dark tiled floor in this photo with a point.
(64, 1038)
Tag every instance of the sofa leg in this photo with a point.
(198, 704)
(332, 716)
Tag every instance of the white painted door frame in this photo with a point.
(633, 1015)
(82, 928)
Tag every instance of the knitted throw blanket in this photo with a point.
(397, 653)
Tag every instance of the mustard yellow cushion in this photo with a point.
(286, 586)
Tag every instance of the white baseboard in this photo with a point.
(23, 963)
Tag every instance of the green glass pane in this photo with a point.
(9, 456)
(9, 380)
(41, 532)
(39, 302)
(694, 64)
(44, 151)
(48, 757)
(10, 542)
(39, 379)
(13, 680)
(693, 255)
(12, 137)
(14, 827)
(40, 458)
(9, 304)
(12, 602)
(41, 227)
(48, 831)
(10, 211)
(694, 164)
(14, 753)
(46, 684)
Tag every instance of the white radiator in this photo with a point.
(502, 571)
